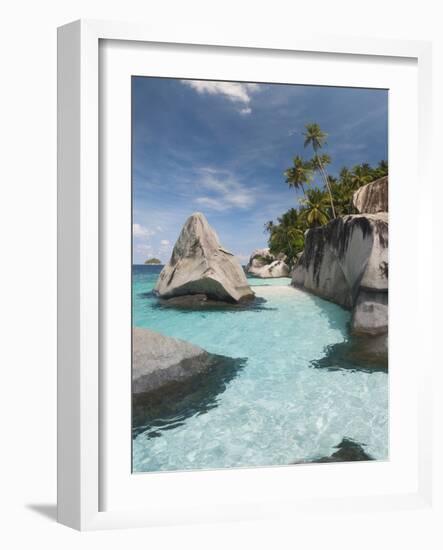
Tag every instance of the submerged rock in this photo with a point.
(174, 380)
(159, 361)
(346, 261)
(372, 197)
(200, 265)
(195, 302)
(359, 352)
(265, 265)
(348, 451)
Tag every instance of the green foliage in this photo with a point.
(315, 208)
(287, 233)
(314, 136)
(264, 259)
(319, 162)
(300, 173)
(154, 261)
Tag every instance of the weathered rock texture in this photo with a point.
(372, 197)
(265, 265)
(200, 265)
(346, 261)
(174, 380)
(160, 361)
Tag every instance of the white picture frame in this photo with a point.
(82, 398)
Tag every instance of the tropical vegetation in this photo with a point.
(154, 261)
(324, 196)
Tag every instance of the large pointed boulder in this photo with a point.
(199, 265)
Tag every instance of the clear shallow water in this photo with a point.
(277, 409)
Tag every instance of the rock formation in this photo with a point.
(346, 261)
(200, 265)
(348, 451)
(372, 197)
(160, 361)
(265, 265)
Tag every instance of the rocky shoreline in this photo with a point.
(347, 262)
(265, 265)
(344, 261)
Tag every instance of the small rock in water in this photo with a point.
(348, 451)
(265, 265)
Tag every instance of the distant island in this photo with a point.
(153, 261)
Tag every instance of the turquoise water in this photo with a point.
(278, 408)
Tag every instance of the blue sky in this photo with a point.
(221, 148)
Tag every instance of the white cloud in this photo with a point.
(237, 92)
(214, 204)
(225, 191)
(143, 247)
(164, 242)
(140, 231)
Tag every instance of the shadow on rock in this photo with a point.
(348, 451)
(362, 353)
(169, 406)
(200, 302)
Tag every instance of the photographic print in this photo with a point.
(259, 274)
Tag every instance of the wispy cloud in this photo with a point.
(225, 191)
(142, 248)
(141, 231)
(236, 92)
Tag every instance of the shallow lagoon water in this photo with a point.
(277, 409)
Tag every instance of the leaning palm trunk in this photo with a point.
(325, 177)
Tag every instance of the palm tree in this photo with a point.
(342, 193)
(269, 226)
(315, 208)
(320, 161)
(345, 176)
(361, 175)
(299, 174)
(296, 241)
(315, 137)
(382, 169)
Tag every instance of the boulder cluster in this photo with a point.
(263, 264)
(347, 260)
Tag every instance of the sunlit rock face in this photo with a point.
(372, 198)
(200, 265)
(265, 265)
(346, 261)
